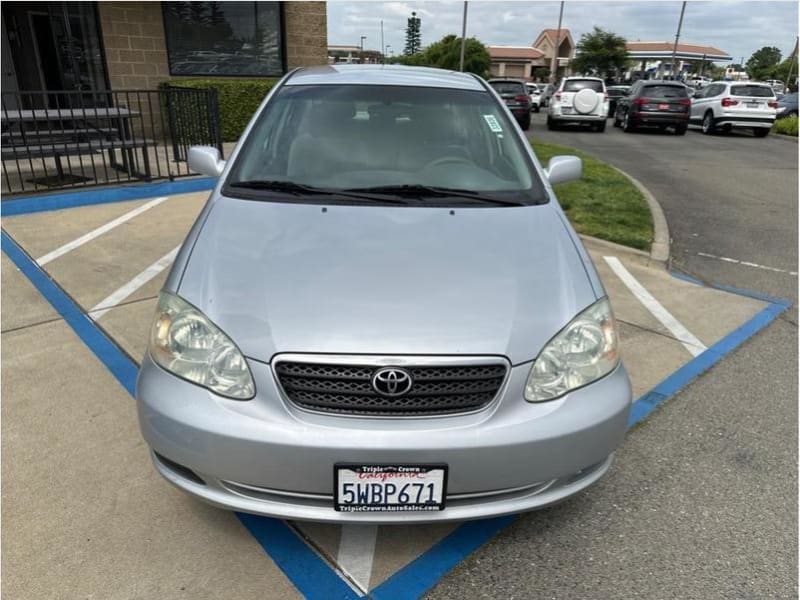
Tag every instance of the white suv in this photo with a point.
(725, 105)
(579, 100)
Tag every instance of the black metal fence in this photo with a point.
(73, 139)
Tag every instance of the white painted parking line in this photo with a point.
(356, 552)
(746, 263)
(683, 335)
(134, 284)
(50, 256)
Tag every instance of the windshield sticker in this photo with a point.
(493, 124)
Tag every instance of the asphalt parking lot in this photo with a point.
(700, 502)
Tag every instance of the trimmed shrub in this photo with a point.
(238, 100)
(787, 126)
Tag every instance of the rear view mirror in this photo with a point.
(205, 160)
(561, 169)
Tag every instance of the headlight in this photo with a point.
(585, 350)
(184, 342)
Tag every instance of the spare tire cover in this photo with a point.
(585, 101)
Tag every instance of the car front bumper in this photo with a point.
(267, 457)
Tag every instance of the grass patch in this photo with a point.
(603, 203)
(787, 126)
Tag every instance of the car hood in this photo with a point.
(283, 277)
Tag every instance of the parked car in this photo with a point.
(777, 85)
(547, 93)
(406, 330)
(536, 96)
(726, 105)
(579, 100)
(787, 106)
(614, 93)
(654, 103)
(515, 95)
(698, 82)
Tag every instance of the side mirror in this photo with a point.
(206, 161)
(561, 169)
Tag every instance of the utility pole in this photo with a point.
(677, 36)
(463, 37)
(383, 54)
(554, 60)
(791, 65)
(361, 56)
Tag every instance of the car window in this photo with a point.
(756, 91)
(713, 90)
(507, 87)
(576, 85)
(665, 91)
(358, 136)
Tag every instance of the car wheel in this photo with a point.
(526, 123)
(761, 131)
(792, 113)
(536, 109)
(601, 127)
(627, 124)
(616, 120)
(708, 124)
(680, 130)
(551, 125)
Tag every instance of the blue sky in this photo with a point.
(737, 27)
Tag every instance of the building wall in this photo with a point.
(136, 51)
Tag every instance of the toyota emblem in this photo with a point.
(391, 381)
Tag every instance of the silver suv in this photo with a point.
(579, 100)
(382, 313)
(726, 105)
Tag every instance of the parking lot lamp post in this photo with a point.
(554, 60)
(677, 36)
(463, 37)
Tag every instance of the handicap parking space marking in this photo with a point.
(134, 284)
(313, 576)
(683, 335)
(97, 232)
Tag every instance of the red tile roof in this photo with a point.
(667, 47)
(515, 52)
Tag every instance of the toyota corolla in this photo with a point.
(382, 314)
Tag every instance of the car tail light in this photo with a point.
(729, 102)
(558, 95)
(685, 101)
(522, 98)
(641, 101)
(772, 104)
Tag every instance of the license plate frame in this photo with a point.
(395, 470)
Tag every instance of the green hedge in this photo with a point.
(238, 100)
(787, 126)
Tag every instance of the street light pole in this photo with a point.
(554, 60)
(677, 36)
(361, 56)
(463, 37)
(383, 60)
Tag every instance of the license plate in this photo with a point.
(389, 488)
(753, 104)
(663, 107)
(567, 110)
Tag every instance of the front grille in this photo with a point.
(348, 389)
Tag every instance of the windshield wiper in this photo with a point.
(299, 189)
(427, 191)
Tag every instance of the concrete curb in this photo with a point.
(659, 249)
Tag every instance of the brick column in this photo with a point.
(306, 33)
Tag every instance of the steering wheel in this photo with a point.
(450, 160)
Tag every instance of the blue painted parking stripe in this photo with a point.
(116, 361)
(304, 568)
(33, 204)
(420, 575)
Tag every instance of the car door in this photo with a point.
(700, 102)
(624, 102)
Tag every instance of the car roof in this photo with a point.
(663, 82)
(384, 75)
(582, 77)
(505, 80)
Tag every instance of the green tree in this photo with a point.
(762, 63)
(602, 53)
(413, 35)
(446, 54)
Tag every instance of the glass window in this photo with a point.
(224, 38)
(576, 85)
(508, 87)
(665, 91)
(348, 137)
(757, 91)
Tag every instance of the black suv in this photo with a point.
(515, 95)
(654, 103)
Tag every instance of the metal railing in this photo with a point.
(74, 139)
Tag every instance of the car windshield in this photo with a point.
(576, 85)
(665, 91)
(755, 91)
(507, 87)
(388, 140)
